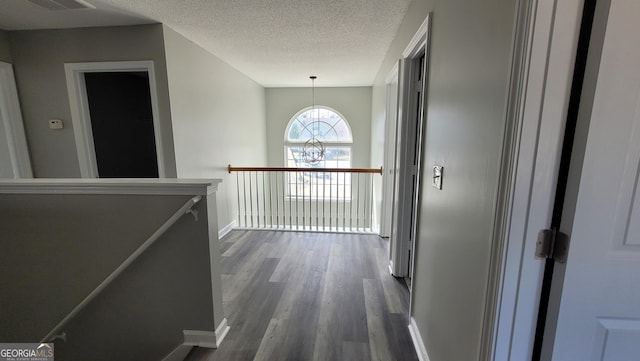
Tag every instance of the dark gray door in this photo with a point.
(122, 124)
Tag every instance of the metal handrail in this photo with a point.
(314, 170)
(186, 208)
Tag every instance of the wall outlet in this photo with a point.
(56, 124)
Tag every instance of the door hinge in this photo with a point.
(552, 244)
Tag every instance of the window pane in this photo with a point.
(334, 157)
(299, 131)
(324, 124)
(316, 185)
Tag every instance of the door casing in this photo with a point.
(80, 110)
(12, 125)
(550, 30)
(406, 192)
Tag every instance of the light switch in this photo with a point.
(56, 124)
(436, 181)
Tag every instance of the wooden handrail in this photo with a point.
(314, 170)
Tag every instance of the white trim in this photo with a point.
(397, 248)
(11, 118)
(226, 229)
(393, 74)
(419, 40)
(389, 153)
(81, 119)
(421, 351)
(408, 121)
(110, 186)
(207, 339)
(222, 331)
(81, 123)
(193, 338)
(200, 338)
(554, 31)
(519, 65)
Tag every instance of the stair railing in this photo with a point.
(187, 208)
(306, 199)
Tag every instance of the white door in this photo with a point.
(599, 316)
(408, 163)
(390, 145)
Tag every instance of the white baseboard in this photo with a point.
(417, 341)
(226, 229)
(222, 331)
(207, 339)
(200, 338)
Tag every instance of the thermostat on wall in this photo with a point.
(56, 124)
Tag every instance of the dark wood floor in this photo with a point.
(310, 296)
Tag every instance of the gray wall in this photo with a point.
(39, 57)
(5, 49)
(57, 248)
(218, 118)
(467, 93)
(353, 103)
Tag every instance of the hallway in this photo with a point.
(310, 296)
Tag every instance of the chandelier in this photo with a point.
(313, 149)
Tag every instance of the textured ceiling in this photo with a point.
(275, 42)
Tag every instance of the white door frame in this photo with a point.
(12, 124)
(390, 145)
(402, 231)
(80, 109)
(551, 38)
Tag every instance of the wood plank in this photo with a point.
(270, 347)
(375, 308)
(245, 271)
(310, 296)
(397, 301)
(355, 351)
(342, 314)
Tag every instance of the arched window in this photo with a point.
(326, 125)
